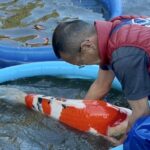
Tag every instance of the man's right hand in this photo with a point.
(101, 85)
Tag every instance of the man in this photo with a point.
(121, 47)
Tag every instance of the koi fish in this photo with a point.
(93, 116)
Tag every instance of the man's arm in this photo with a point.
(130, 65)
(139, 108)
(101, 85)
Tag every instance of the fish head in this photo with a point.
(119, 126)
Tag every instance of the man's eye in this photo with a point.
(81, 66)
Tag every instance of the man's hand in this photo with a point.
(101, 85)
(139, 108)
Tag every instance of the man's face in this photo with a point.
(87, 55)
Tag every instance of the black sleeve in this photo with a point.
(130, 65)
(104, 67)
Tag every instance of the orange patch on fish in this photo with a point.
(97, 115)
(46, 107)
(29, 101)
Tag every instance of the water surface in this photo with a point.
(31, 22)
(24, 129)
(136, 7)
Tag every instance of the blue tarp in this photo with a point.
(139, 136)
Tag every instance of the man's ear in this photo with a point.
(86, 44)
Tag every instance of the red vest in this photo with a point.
(118, 33)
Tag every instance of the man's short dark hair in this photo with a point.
(68, 36)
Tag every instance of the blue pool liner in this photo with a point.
(114, 7)
(52, 68)
(120, 147)
(10, 56)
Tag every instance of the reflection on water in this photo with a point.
(18, 19)
(136, 7)
(23, 129)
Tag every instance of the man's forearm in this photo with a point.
(139, 108)
(101, 85)
(95, 92)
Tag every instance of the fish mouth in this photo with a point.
(118, 129)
